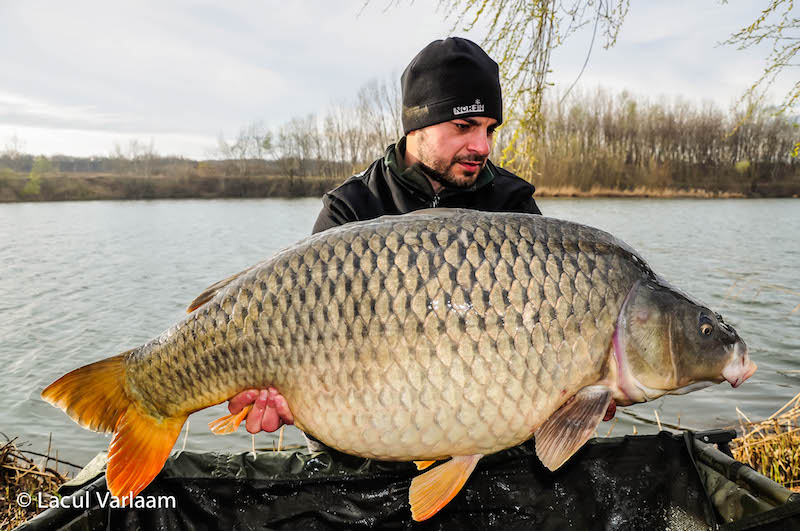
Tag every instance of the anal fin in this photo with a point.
(435, 488)
(571, 426)
(229, 423)
(422, 465)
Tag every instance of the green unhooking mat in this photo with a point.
(626, 483)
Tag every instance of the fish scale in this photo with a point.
(467, 320)
(446, 333)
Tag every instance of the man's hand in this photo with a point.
(270, 409)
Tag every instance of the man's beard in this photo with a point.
(444, 175)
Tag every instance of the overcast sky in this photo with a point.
(76, 77)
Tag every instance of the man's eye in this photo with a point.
(463, 127)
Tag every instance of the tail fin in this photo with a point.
(138, 451)
(95, 396)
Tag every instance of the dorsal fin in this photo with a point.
(437, 210)
(212, 290)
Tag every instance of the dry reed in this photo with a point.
(772, 446)
(23, 475)
(638, 191)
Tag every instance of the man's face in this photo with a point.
(453, 153)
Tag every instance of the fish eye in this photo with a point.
(706, 325)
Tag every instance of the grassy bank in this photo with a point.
(82, 187)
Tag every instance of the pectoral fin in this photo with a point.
(435, 488)
(571, 426)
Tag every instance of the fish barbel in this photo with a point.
(441, 334)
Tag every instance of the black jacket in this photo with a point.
(382, 190)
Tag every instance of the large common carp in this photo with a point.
(445, 333)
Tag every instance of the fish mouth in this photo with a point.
(740, 367)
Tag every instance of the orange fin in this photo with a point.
(212, 290)
(138, 451)
(422, 465)
(571, 426)
(435, 488)
(229, 423)
(95, 397)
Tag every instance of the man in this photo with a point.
(452, 105)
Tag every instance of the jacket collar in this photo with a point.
(411, 176)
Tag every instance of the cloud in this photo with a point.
(192, 69)
(92, 142)
(16, 109)
(670, 50)
(133, 63)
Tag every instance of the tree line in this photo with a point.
(588, 139)
(334, 144)
(623, 141)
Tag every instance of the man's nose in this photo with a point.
(480, 143)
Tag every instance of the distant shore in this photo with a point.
(641, 191)
(92, 187)
(82, 187)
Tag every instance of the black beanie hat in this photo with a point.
(449, 79)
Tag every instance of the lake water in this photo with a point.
(86, 280)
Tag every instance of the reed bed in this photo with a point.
(637, 191)
(24, 472)
(772, 446)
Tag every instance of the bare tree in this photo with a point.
(378, 105)
(252, 143)
(143, 155)
(138, 158)
(13, 152)
(298, 145)
(778, 25)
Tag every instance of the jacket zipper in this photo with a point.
(435, 201)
